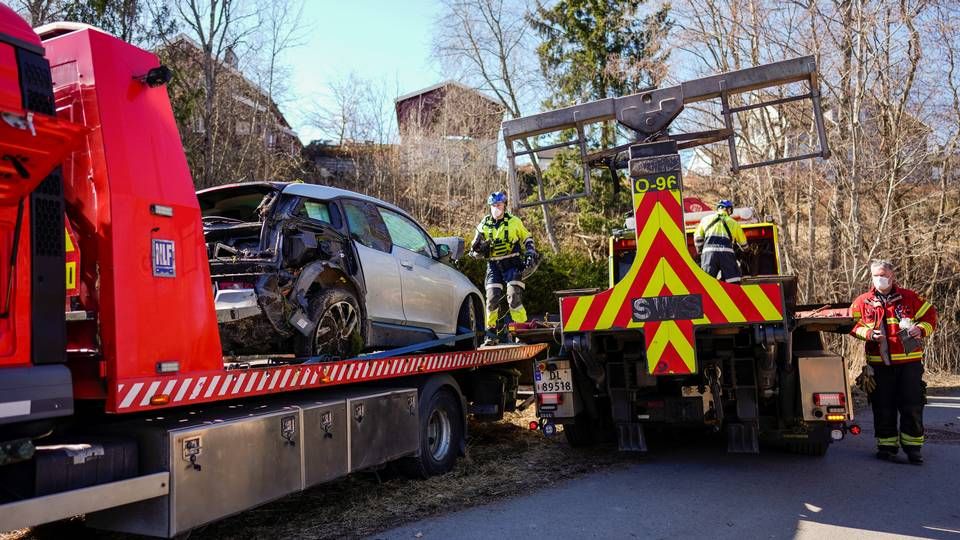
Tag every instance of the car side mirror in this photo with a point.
(449, 248)
(443, 253)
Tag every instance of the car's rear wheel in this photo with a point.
(470, 320)
(339, 329)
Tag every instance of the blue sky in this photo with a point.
(380, 40)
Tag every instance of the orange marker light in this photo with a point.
(160, 399)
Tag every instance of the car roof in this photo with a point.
(314, 191)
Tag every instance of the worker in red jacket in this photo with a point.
(893, 321)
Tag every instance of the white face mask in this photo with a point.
(881, 283)
(496, 212)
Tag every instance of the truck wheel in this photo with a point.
(470, 319)
(808, 448)
(339, 330)
(441, 429)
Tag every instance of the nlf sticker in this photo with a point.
(164, 263)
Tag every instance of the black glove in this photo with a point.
(530, 258)
(481, 247)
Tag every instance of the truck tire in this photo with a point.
(587, 431)
(470, 319)
(441, 430)
(339, 330)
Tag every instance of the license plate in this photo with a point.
(558, 380)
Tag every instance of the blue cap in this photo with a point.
(725, 203)
(497, 197)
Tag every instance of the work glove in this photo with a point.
(866, 381)
(530, 258)
(480, 248)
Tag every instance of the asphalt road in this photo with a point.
(695, 489)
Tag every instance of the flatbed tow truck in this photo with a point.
(116, 400)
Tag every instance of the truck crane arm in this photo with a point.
(649, 113)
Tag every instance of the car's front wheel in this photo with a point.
(470, 321)
(339, 326)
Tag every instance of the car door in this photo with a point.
(427, 284)
(381, 274)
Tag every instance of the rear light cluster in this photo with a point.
(624, 244)
(834, 398)
(550, 399)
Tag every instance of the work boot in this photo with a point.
(914, 455)
(491, 339)
(887, 453)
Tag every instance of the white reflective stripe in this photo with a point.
(213, 386)
(183, 389)
(502, 257)
(283, 381)
(240, 379)
(169, 387)
(128, 399)
(251, 382)
(313, 380)
(494, 286)
(275, 378)
(14, 408)
(718, 249)
(366, 368)
(517, 284)
(226, 385)
(296, 377)
(149, 393)
(263, 381)
(733, 280)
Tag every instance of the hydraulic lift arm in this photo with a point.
(650, 112)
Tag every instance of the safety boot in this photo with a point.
(887, 453)
(914, 455)
(491, 339)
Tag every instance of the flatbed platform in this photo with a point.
(176, 390)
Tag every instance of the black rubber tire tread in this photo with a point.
(424, 465)
(807, 448)
(319, 302)
(463, 321)
(585, 432)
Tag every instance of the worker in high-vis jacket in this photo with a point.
(508, 246)
(893, 321)
(714, 240)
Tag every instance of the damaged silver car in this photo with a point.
(319, 271)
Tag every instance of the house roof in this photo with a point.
(449, 82)
(183, 38)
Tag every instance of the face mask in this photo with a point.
(881, 283)
(496, 212)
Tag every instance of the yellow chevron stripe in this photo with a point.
(762, 303)
(669, 332)
(578, 313)
(710, 284)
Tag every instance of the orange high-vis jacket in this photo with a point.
(872, 313)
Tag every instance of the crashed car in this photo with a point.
(319, 271)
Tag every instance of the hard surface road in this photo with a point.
(692, 489)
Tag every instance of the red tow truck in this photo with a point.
(116, 400)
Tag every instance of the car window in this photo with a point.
(406, 234)
(366, 226)
(319, 211)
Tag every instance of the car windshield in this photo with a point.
(235, 203)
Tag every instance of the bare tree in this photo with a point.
(489, 44)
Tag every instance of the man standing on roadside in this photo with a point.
(893, 321)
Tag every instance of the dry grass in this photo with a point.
(504, 459)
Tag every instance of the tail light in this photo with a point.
(826, 399)
(624, 243)
(550, 399)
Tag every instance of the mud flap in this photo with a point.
(743, 438)
(630, 437)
